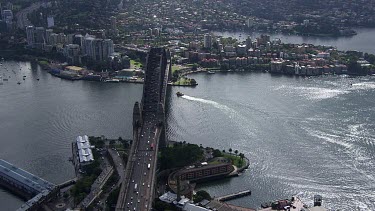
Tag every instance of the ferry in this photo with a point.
(179, 94)
(112, 80)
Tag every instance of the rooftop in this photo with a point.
(37, 184)
(204, 167)
(84, 149)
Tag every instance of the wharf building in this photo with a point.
(205, 171)
(27, 185)
(181, 181)
(83, 150)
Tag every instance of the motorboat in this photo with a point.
(179, 94)
(210, 72)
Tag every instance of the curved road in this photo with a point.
(22, 20)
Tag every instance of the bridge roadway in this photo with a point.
(137, 190)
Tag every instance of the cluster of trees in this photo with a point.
(112, 199)
(242, 156)
(201, 195)
(162, 206)
(354, 68)
(321, 29)
(83, 186)
(180, 155)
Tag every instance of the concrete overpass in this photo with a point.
(137, 190)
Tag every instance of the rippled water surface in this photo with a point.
(303, 136)
(40, 119)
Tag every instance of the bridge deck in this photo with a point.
(137, 191)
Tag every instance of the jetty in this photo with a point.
(234, 195)
(35, 189)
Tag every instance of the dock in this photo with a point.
(34, 189)
(234, 195)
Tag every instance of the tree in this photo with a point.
(236, 151)
(223, 150)
(216, 153)
(242, 156)
(112, 142)
(120, 138)
(230, 150)
(201, 195)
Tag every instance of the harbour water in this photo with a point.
(303, 136)
(364, 41)
(39, 119)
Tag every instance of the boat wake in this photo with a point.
(209, 102)
(232, 114)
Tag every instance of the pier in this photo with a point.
(234, 195)
(30, 187)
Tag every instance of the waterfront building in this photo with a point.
(207, 41)
(263, 39)
(241, 50)
(50, 21)
(84, 152)
(69, 39)
(53, 39)
(89, 46)
(36, 37)
(168, 197)
(7, 15)
(40, 36)
(203, 172)
(61, 38)
(48, 36)
(108, 48)
(78, 40)
(192, 207)
(250, 23)
(113, 22)
(29, 186)
(194, 44)
(276, 66)
(97, 49)
(249, 42)
(72, 54)
(30, 35)
(323, 55)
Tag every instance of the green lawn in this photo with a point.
(43, 62)
(134, 64)
(175, 68)
(236, 160)
(182, 81)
